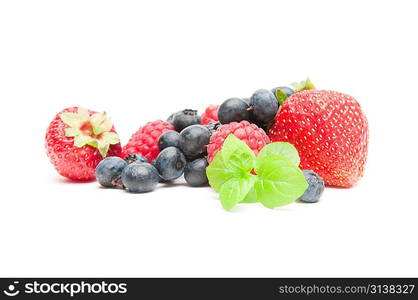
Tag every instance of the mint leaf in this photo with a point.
(232, 145)
(251, 196)
(284, 149)
(234, 190)
(234, 160)
(280, 181)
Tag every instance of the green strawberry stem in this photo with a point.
(303, 85)
(94, 131)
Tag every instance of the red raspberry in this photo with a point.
(210, 114)
(145, 140)
(251, 134)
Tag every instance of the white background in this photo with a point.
(141, 61)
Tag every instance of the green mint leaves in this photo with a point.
(234, 161)
(278, 180)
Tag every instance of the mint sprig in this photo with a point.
(278, 180)
(235, 160)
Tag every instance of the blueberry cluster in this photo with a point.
(135, 173)
(184, 152)
(180, 153)
(260, 108)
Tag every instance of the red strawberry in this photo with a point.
(145, 140)
(210, 114)
(251, 134)
(330, 132)
(78, 139)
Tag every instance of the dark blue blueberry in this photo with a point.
(140, 178)
(286, 90)
(161, 180)
(170, 163)
(136, 158)
(194, 140)
(315, 188)
(170, 119)
(108, 171)
(233, 110)
(168, 139)
(195, 172)
(264, 106)
(185, 118)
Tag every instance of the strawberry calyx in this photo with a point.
(303, 85)
(93, 130)
(280, 96)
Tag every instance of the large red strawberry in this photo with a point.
(78, 139)
(145, 140)
(330, 132)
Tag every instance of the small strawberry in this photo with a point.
(78, 139)
(145, 140)
(328, 129)
(210, 115)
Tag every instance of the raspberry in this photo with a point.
(251, 134)
(210, 114)
(145, 140)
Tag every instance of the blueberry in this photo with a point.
(108, 171)
(286, 90)
(140, 178)
(264, 106)
(194, 140)
(185, 118)
(233, 110)
(195, 172)
(170, 163)
(315, 188)
(170, 119)
(168, 139)
(161, 180)
(137, 158)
